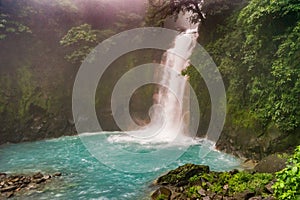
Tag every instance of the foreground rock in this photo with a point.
(193, 182)
(12, 184)
(278, 163)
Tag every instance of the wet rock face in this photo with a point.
(256, 142)
(12, 184)
(36, 127)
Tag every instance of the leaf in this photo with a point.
(295, 169)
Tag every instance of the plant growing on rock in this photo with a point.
(288, 179)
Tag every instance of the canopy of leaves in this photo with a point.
(159, 10)
(8, 25)
(257, 51)
(82, 39)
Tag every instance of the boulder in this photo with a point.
(47, 177)
(57, 174)
(202, 192)
(41, 180)
(38, 175)
(182, 174)
(271, 164)
(269, 188)
(161, 192)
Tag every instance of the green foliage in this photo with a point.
(5, 91)
(193, 191)
(82, 33)
(29, 93)
(159, 10)
(9, 26)
(238, 182)
(287, 185)
(26, 85)
(221, 180)
(82, 39)
(225, 183)
(269, 53)
(286, 73)
(243, 181)
(19, 92)
(194, 179)
(162, 197)
(257, 51)
(180, 174)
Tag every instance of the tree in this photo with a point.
(200, 9)
(10, 24)
(257, 51)
(82, 39)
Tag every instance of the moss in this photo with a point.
(220, 183)
(162, 197)
(235, 183)
(243, 181)
(5, 89)
(26, 85)
(243, 117)
(193, 191)
(183, 174)
(30, 93)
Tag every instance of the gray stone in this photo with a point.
(218, 197)
(202, 192)
(32, 186)
(162, 191)
(15, 179)
(41, 180)
(8, 188)
(271, 164)
(269, 188)
(57, 174)
(9, 194)
(47, 177)
(37, 175)
(256, 198)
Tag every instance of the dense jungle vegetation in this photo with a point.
(255, 45)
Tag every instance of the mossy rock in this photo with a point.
(182, 174)
(161, 193)
(271, 164)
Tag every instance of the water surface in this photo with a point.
(84, 177)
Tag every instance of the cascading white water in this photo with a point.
(169, 110)
(171, 97)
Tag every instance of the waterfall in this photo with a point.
(170, 111)
(171, 94)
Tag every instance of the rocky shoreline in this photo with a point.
(10, 185)
(192, 182)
